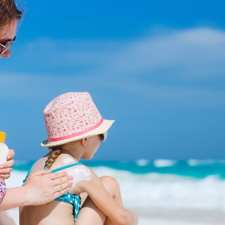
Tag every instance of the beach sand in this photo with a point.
(157, 216)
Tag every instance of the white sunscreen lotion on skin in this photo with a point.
(3, 148)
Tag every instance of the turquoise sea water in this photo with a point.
(167, 184)
(189, 168)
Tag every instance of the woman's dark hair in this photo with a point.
(8, 12)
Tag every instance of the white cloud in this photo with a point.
(179, 65)
(71, 55)
(194, 53)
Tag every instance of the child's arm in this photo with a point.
(85, 180)
(117, 214)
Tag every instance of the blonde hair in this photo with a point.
(52, 156)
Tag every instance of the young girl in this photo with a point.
(75, 130)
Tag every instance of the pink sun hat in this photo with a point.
(71, 117)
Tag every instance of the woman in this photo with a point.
(39, 188)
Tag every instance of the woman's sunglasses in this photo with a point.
(5, 45)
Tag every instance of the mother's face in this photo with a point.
(7, 35)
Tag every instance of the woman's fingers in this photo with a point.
(5, 176)
(55, 178)
(5, 171)
(7, 164)
(6, 168)
(61, 187)
(62, 183)
(58, 188)
(61, 180)
(10, 162)
(40, 173)
(11, 154)
(62, 191)
(41, 186)
(58, 176)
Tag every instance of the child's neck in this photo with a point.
(76, 154)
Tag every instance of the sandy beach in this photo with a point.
(165, 217)
(180, 217)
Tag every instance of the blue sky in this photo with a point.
(156, 67)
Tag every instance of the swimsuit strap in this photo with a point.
(65, 167)
(56, 169)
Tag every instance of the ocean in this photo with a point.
(163, 191)
(188, 168)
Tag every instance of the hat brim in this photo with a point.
(103, 128)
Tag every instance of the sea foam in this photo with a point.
(150, 191)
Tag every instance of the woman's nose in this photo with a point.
(6, 54)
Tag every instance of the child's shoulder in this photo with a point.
(38, 165)
(73, 167)
(63, 159)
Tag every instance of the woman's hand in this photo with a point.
(6, 168)
(43, 187)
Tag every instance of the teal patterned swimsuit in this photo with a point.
(69, 198)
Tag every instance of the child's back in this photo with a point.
(56, 212)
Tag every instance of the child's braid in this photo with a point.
(52, 156)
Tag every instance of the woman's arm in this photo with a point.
(40, 188)
(14, 197)
(106, 203)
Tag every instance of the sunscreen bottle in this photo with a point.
(3, 148)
